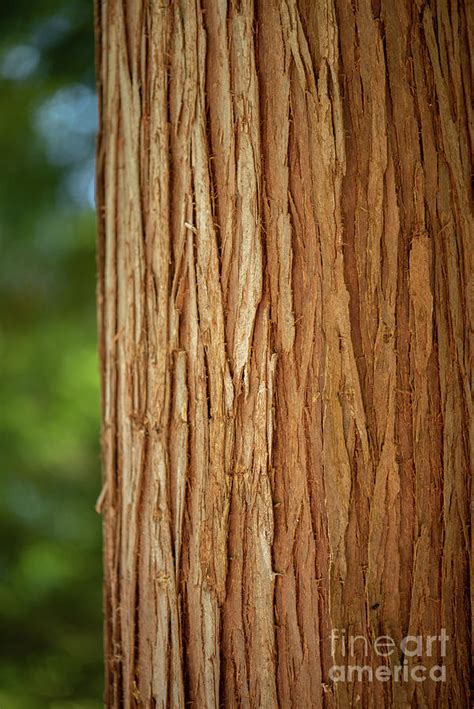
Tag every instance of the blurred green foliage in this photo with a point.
(50, 552)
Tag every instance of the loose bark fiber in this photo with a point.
(284, 263)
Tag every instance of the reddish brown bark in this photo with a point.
(284, 264)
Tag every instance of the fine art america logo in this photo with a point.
(398, 657)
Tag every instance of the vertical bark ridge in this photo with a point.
(285, 313)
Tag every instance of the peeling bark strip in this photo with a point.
(284, 263)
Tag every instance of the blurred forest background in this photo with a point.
(50, 558)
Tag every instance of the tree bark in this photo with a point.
(284, 263)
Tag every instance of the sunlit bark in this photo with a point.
(284, 222)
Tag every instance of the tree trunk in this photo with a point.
(284, 215)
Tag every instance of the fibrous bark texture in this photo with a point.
(284, 216)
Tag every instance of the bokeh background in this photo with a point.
(50, 548)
